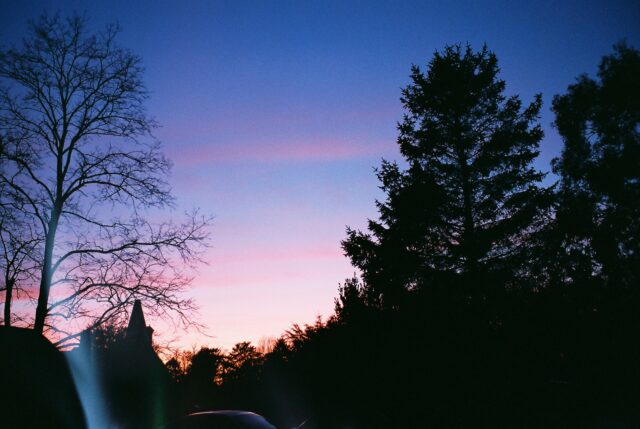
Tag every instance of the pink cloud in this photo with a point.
(275, 266)
(280, 255)
(269, 266)
(261, 122)
(280, 151)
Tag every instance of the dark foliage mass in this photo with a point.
(38, 387)
(599, 199)
(486, 299)
(468, 201)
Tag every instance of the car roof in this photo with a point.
(222, 412)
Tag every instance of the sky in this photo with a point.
(275, 114)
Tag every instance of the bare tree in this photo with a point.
(19, 265)
(19, 245)
(92, 176)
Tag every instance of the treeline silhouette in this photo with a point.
(485, 299)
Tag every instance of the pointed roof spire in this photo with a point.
(137, 323)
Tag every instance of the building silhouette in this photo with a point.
(131, 379)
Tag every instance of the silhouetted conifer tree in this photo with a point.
(599, 212)
(469, 198)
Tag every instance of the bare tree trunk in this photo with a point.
(47, 272)
(7, 301)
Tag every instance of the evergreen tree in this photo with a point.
(468, 199)
(599, 213)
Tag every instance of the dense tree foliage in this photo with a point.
(469, 198)
(599, 209)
